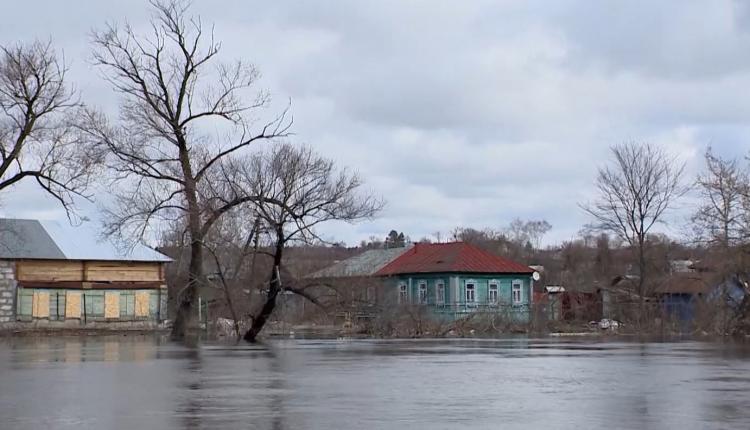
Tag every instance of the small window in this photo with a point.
(94, 304)
(470, 296)
(492, 293)
(422, 292)
(153, 304)
(516, 292)
(57, 305)
(25, 304)
(403, 294)
(127, 305)
(440, 293)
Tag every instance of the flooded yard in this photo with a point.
(148, 383)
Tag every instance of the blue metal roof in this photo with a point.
(50, 240)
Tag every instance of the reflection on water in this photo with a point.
(148, 383)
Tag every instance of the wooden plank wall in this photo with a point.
(113, 271)
(30, 270)
(91, 271)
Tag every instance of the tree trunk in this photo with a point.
(641, 281)
(186, 322)
(274, 287)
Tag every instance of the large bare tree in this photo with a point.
(183, 115)
(633, 195)
(37, 139)
(299, 190)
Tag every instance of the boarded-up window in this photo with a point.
(142, 303)
(57, 304)
(40, 304)
(73, 304)
(111, 304)
(127, 305)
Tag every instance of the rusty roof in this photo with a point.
(454, 257)
(684, 283)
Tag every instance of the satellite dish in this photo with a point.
(535, 276)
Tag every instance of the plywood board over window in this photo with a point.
(142, 303)
(72, 304)
(40, 304)
(111, 305)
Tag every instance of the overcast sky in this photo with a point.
(459, 113)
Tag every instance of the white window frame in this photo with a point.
(403, 293)
(473, 290)
(440, 293)
(516, 291)
(422, 292)
(493, 293)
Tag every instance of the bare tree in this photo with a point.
(299, 190)
(720, 220)
(634, 193)
(37, 140)
(165, 148)
(530, 232)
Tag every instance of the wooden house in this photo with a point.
(681, 293)
(54, 275)
(449, 280)
(359, 294)
(456, 279)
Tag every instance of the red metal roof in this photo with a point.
(450, 257)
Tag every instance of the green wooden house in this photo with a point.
(455, 279)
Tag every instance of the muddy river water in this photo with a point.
(144, 382)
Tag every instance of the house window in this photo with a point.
(470, 296)
(94, 304)
(516, 289)
(492, 294)
(403, 294)
(57, 305)
(440, 293)
(127, 305)
(422, 292)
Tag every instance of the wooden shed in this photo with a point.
(56, 275)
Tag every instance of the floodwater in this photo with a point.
(148, 383)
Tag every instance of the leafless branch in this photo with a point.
(37, 138)
(183, 115)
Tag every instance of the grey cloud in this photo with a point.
(465, 113)
(670, 40)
